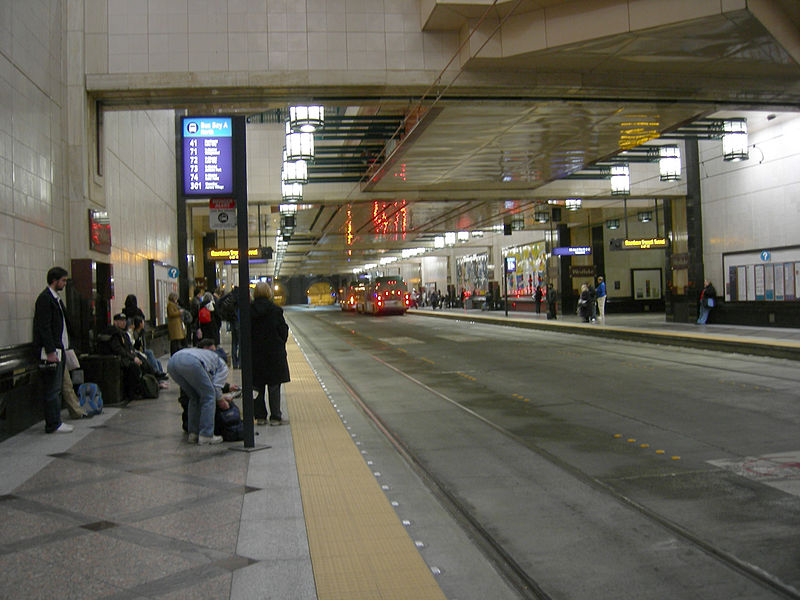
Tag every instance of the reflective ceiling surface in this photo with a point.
(471, 155)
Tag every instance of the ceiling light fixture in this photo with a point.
(620, 180)
(306, 119)
(573, 204)
(612, 224)
(291, 192)
(734, 140)
(294, 171)
(669, 163)
(299, 146)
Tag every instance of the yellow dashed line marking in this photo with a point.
(426, 360)
(643, 445)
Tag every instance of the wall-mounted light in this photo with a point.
(450, 238)
(620, 180)
(463, 236)
(734, 140)
(645, 216)
(541, 216)
(438, 241)
(669, 163)
(306, 119)
(612, 224)
(573, 204)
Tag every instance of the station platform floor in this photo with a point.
(778, 342)
(123, 508)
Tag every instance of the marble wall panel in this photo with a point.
(751, 204)
(259, 35)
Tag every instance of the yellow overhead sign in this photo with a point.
(644, 244)
(232, 253)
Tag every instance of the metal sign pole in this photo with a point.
(505, 283)
(245, 343)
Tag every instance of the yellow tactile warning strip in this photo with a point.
(359, 548)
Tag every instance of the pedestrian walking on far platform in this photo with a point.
(600, 292)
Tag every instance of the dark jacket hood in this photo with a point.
(263, 306)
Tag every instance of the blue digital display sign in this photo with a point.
(572, 251)
(207, 156)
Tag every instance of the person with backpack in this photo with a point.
(209, 322)
(227, 309)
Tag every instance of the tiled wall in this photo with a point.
(140, 198)
(141, 36)
(139, 183)
(32, 190)
(753, 204)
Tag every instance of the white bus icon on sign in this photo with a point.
(191, 127)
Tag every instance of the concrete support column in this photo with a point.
(694, 227)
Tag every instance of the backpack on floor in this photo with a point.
(228, 423)
(149, 386)
(90, 398)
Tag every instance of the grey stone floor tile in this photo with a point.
(210, 589)
(273, 539)
(29, 578)
(16, 525)
(275, 580)
(112, 561)
(273, 503)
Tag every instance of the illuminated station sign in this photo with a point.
(207, 156)
(639, 244)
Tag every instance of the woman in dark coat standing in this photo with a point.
(270, 367)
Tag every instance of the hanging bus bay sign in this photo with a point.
(207, 156)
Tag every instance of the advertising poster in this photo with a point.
(797, 280)
(769, 282)
(741, 281)
(788, 283)
(759, 281)
(779, 283)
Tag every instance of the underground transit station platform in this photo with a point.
(400, 299)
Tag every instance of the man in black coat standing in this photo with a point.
(51, 338)
(270, 365)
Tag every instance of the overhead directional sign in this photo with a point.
(207, 156)
(572, 251)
